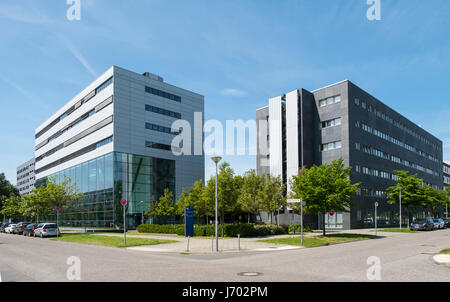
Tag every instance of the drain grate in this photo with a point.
(250, 274)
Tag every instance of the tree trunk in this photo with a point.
(248, 217)
(278, 217)
(323, 225)
(207, 222)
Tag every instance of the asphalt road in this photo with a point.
(406, 257)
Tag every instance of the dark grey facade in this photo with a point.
(344, 121)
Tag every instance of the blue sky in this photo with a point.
(236, 53)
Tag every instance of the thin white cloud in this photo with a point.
(233, 92)
(17, 87)
(78, 56)
(26, 14)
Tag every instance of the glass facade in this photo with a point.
(105, 180)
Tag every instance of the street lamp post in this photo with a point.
(216, 160)
(400, 199)
(376, 206)
(142, 209)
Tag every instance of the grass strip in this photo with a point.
(112, 241)
(321, 240)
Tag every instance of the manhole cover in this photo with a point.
(428, 245)
(250, 274)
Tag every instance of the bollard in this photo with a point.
(189, 238)
(239, 242)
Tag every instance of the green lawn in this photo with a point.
(320, 240)
(445, 251)
(397, 230)
(114, 241)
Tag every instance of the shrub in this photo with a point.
(306, 228)
(231, 230)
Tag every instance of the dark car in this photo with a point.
(446, 220)
(29, 230)
(20, 227)
(3, 226)
(422, 224)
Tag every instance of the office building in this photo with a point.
(25, 177)
(446, 174)
(306, 128)
(113, 140)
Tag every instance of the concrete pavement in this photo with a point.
(407, 257)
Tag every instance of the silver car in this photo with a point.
(439, 223)
(46, 230)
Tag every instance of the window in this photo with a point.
(104, 85)
(162, 111)
(329, 101)
(154, 145)
(331, 123)
(161, 129)
(331, 146)
(162, 94)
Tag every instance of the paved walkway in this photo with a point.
(202, 245)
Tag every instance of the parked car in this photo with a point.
(19, 227)
(10, 228)
(29, 230)
(46, 229)
(439, 223)
(447, 222)
(422, 224)
(3, 226)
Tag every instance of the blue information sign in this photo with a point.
(189, 221)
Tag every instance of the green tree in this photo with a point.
(12, 207)
(433, 198)
(411, 191)
(6, 190)
(44, 200)
(324, 188)
(228, 192)
(182, 202)
(152, 210)
(272, 196)
(166, 204)
(252, 185)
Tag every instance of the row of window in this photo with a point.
(163, 94)
(390, 120)
(394, 140)
(30, 167)
(162, 111)
(376, 173)
(159, 128)
(160, 146)
(447, 180)
(446, 170)
(331, 123)
(372, 193)
(393, 158)
(329, 101)
(331, 146)
(76, 106)
(77, 137)
(75, 154)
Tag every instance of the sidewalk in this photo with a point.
(205, 245)
(202, 245)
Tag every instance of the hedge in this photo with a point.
(306, 228)
(231, 230)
